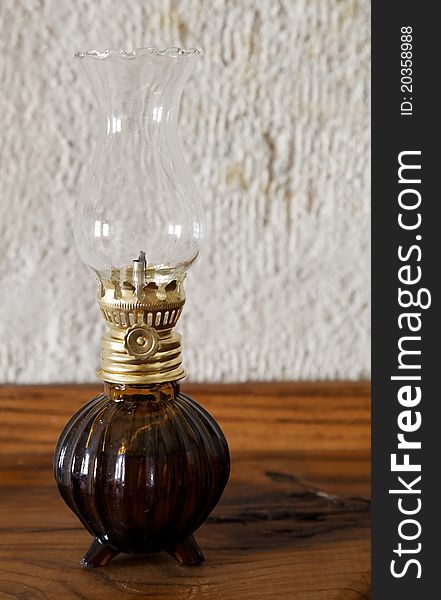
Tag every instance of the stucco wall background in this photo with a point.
(275, 123)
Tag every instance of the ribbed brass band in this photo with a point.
(117, 366)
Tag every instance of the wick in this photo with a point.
(139, 267)
(141, 257)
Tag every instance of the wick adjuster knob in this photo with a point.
(141, 341)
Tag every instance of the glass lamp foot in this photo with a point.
(187, 552)
(98, 554)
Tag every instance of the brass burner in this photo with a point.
(141, 306)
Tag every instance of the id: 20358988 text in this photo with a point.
(406, 81)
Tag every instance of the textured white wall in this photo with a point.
(276, 126)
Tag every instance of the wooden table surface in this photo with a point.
(293, 522)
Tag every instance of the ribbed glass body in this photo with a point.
(142, 466)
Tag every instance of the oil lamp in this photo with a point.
(142, 465)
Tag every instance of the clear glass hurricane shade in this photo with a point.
(139, 198)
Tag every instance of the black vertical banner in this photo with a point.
(406, 324)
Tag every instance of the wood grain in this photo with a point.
(269, 417)
(293, 523)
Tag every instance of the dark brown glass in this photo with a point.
(142, 467)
